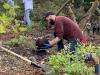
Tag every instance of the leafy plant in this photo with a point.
(42, 24)
(97, 50)
(7, 18)
(21, 41)
(72, 64)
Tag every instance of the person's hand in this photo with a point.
(47, 45)
(44, 45)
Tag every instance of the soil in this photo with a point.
(11, 65)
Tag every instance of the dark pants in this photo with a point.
(61, 45)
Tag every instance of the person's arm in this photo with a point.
(60, 32)
(55, 41)
(50, 44)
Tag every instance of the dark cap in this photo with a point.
(48, 13)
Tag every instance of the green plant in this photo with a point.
(97, 50)
(7, 18)
(42, 24)
(12, 42)
(21, 41)
(72, 64)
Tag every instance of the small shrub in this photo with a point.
(21, 41)
(72, 64)
(7, 18)
(98, 51)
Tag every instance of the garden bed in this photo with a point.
(11, 65)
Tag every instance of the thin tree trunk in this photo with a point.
(88, 15)
(71, 13)
(62, 7)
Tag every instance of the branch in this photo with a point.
(88, 15)
(62, 7)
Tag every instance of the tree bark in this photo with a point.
(88, 15)
(71, 13)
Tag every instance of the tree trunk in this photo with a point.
(71, 13)
(87, 16)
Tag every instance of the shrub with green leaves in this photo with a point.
(7, 18)
(21, 41)
(97, 51)
(72, 64)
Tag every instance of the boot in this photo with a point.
(97, 69)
